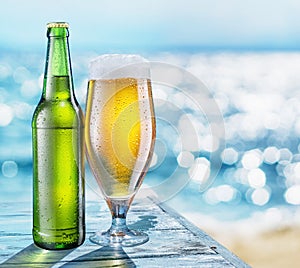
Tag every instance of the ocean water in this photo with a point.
(229, 161)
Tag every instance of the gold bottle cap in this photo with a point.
(57, 25)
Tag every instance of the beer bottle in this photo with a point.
(58, 151)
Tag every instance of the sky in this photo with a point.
(156, 24)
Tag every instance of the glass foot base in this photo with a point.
(129, 238)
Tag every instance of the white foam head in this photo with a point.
(110, 66)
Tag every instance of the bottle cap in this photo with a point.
(57, 25)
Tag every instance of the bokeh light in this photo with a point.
(229, 156)
(252, 159)
(7, 115)
(292, 195)
(256, 178)
(9, 169)
(200, 170)
(271, 155)
(185, 159)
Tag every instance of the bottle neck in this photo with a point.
(58, 83)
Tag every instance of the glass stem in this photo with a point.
(119, 209)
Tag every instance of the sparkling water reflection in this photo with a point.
(258, 94)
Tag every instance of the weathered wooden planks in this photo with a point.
(174, 242)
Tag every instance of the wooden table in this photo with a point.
(174, 242)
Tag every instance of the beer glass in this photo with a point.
(120, 134)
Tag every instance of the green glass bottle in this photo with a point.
(58, 151)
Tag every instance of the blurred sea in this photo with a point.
(258, 94)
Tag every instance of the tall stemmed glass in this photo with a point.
(120, 134)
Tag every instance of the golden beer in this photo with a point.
(121, 125)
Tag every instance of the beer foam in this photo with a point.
(111, 66)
